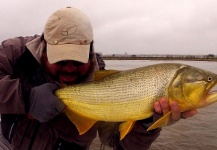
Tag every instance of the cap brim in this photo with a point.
(74, 52)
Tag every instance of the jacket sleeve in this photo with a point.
(11, 99)
(138, 138)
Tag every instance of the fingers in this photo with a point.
(165, 108)
(162, 107)
(188, 114)
(53, 86)
(176, 113)
(157, 108)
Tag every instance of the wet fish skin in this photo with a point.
(128, 96)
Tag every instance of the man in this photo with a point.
(31, 68)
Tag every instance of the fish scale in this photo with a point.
(127, 90)
(128, 96)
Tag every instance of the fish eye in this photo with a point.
(209, 79)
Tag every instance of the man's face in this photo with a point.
(68, 72)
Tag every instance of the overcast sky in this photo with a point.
(125, 26)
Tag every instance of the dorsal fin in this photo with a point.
(100, 74)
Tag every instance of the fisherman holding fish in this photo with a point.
(32, 68)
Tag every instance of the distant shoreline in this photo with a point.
(158, 58)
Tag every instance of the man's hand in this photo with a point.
(44, 105)
(162, 107)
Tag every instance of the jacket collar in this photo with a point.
(36, 48)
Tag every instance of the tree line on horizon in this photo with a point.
(158, 55)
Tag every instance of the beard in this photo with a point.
(68, 78)
(72, 77)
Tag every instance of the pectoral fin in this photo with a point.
(163, 121)
(82, 123)
(125, 128)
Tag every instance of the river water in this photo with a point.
(196, 133)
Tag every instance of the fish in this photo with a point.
(129, 95)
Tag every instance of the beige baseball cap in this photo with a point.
(68, 33)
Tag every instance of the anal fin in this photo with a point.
(125, 128)
(82, 123)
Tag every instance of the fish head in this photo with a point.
(191, 88)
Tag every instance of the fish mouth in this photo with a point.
(213, 89)
(211, 96)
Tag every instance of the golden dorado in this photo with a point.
(128, 96)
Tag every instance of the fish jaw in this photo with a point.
(210, 98)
